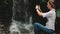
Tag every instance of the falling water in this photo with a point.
(21, 16)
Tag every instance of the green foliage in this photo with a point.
(58, 12)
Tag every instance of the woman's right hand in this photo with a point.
(37, 7)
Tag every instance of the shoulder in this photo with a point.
(53, 10)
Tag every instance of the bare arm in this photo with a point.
(47, 14)
(39, 12)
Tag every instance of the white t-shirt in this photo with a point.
(51, 15)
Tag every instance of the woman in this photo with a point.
(51, 15)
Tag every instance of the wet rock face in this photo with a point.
(21, 10)
(5, 12)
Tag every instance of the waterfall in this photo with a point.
(21, 17)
